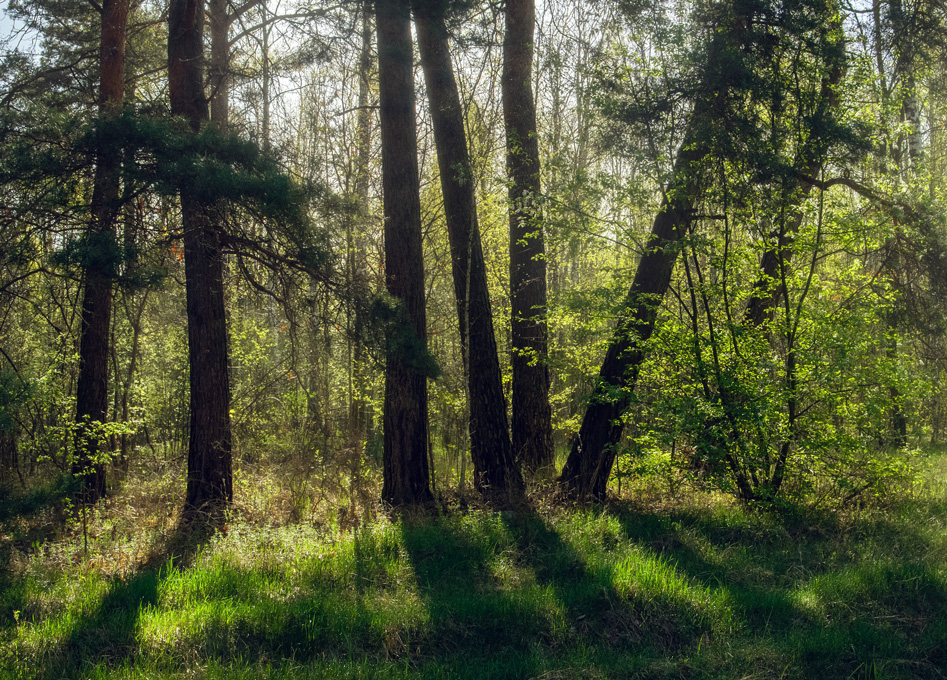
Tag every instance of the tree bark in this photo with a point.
(406, 475)
(532, 416)
(219, 71)
(92, 383)
(209, 473)
(496, 474)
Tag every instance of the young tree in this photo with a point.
(532, 416)
(735, 70)
(406, 474)
(495, 471)
(209, 475)
(92, 383)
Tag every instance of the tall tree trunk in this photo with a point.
(356, 258)
(406, 475)
(209, 474)
(219, 71)
(496, 474)
(92, 383)
(532, 416)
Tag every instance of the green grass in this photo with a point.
(691, 588)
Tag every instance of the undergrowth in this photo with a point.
(651, 586)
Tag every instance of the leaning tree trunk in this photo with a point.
(406, 474)
(532, 416)
(593, 451)
(590, 461)
(592, 455)
(92, 383)
(209, 474)
(496, 474)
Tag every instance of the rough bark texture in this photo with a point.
(209, 476)
(406, 475)
(590, 461)
(219, 71)
(532, 416)
(496, 474)
(92, 383)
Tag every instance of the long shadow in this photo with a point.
(598, 613)
(450, 563)
(555, 609)
(863, 615)
(17, 520)
(107, 633)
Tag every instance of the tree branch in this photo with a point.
(852, 184)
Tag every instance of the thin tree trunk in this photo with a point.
(209, 474)
(496, 474)
(532, 416)
(767, 292)
(92, 383)
(406, 472)
(356, 257)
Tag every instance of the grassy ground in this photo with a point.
(689, 587)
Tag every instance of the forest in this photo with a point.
(457, 339)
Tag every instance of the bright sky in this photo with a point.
(7, 27)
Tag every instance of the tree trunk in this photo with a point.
(219, 71)
(356, 427)
(209, 475)
(406, 475)
(590, 461)
(532, 416)
(767, 293)
(496, 474)
(92, 383)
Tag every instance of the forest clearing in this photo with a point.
(668, 582)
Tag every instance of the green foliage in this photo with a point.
(393, 328)
(99, 252)
(14, 393)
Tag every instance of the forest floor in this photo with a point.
(652, 586)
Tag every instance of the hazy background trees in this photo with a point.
(735, 207)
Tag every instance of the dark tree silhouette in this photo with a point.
(406, 474)
(532, 416)
(92, 383)
(496, 474)
(209, 474)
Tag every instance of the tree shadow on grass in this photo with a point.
(828, 616)
(513, 585)
(469, 613)
(601, 609)
(107, 634)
